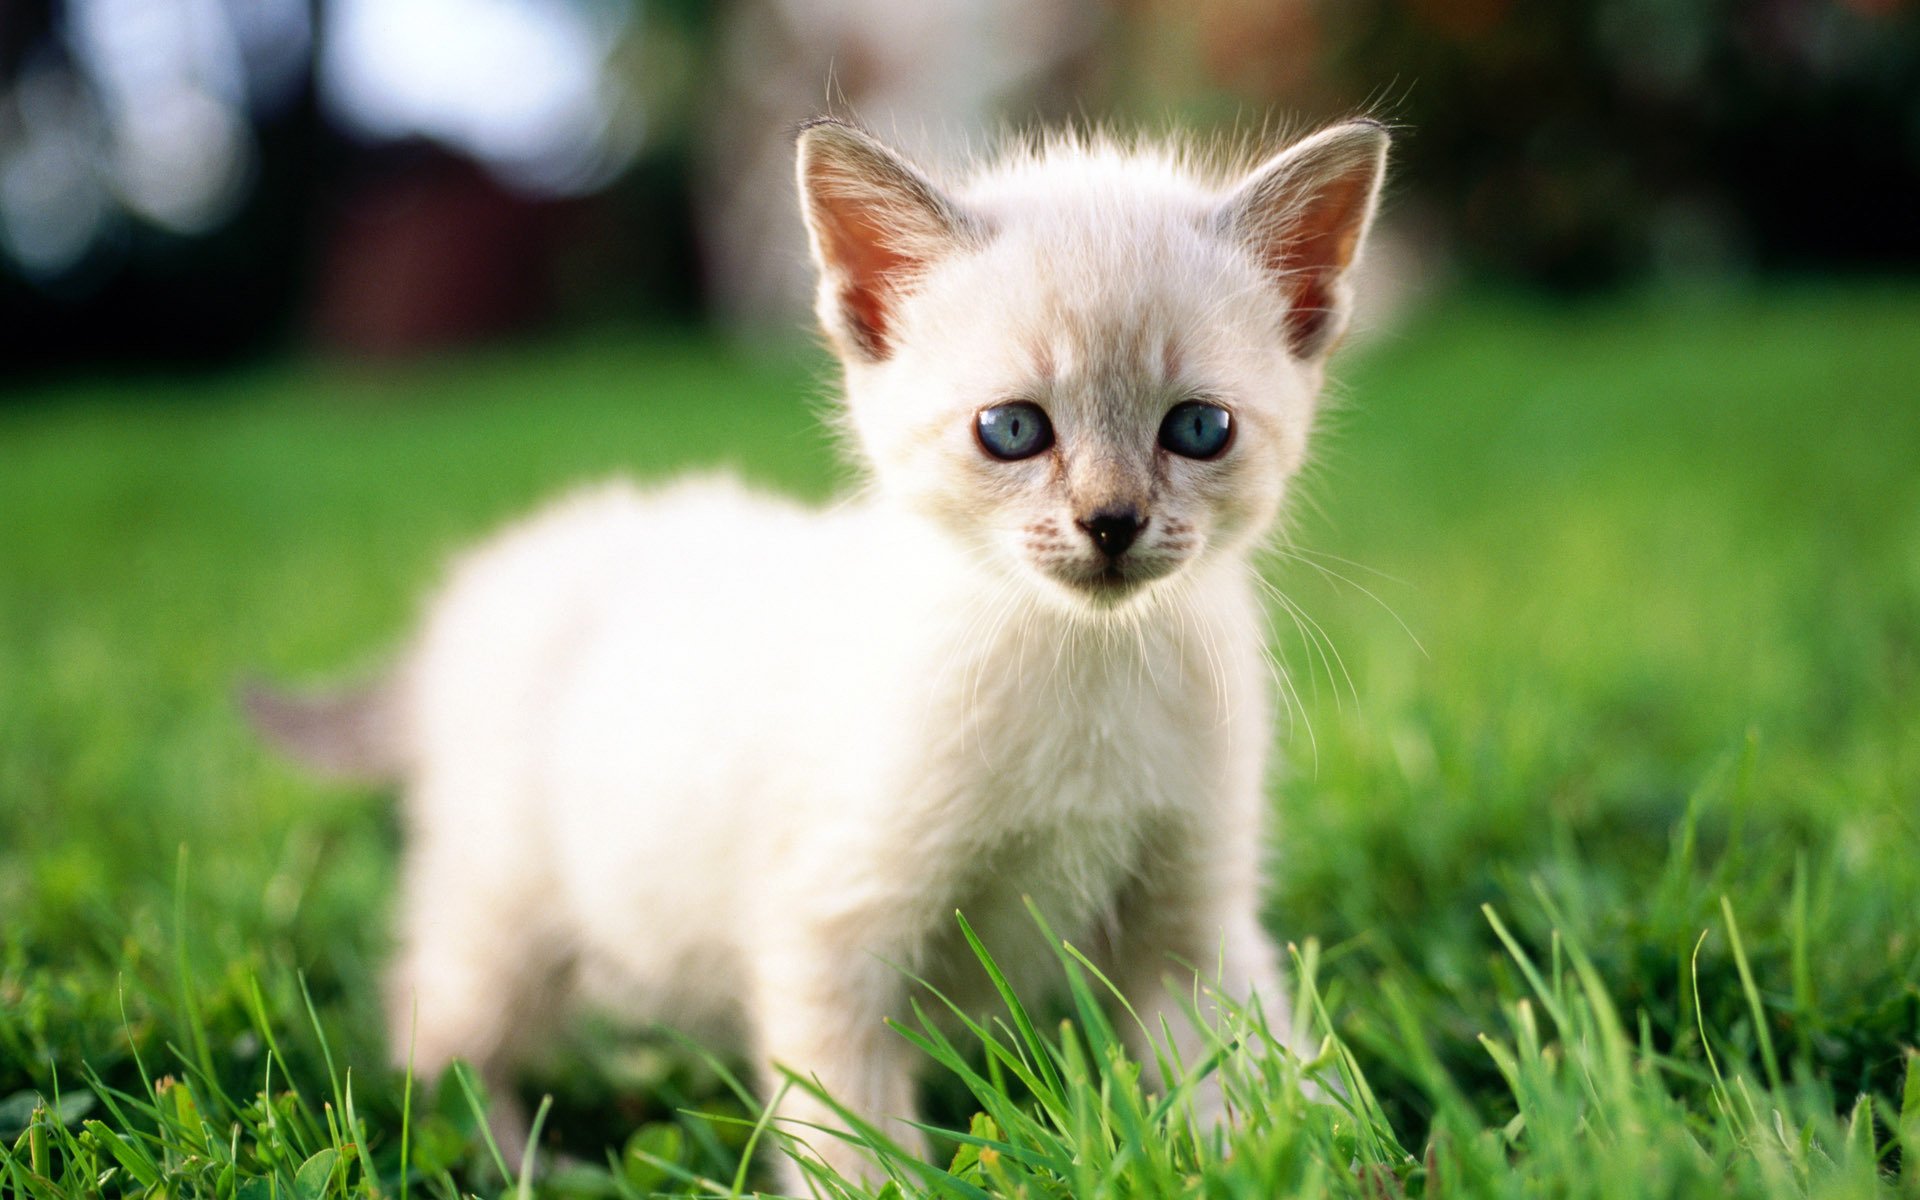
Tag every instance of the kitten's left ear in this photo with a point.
(875, 224)
(1304, 214)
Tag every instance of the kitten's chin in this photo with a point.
(1107, 588)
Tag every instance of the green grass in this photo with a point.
(1604, 868)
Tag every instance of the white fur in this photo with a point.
(702, 756)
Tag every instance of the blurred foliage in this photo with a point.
(1576, 144)
(1579, 143)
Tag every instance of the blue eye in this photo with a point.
(1013, 431)
(1197, 429)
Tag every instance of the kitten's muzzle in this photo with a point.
(1112, 530)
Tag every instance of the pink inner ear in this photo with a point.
(1309, 313)
(869, 267)
(1319, 245)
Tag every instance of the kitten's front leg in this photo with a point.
(1236, 969)
(820, 1012)
(1190, 945)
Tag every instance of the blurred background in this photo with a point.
(201, 181)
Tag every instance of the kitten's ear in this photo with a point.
(1304, 213)
(875, 224)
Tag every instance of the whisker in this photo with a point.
(1216, 666)
(1288, 692)
(1317, 638)
(1291, 549)
(1369, 593)
(1292, 612)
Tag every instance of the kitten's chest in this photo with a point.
(1049, 775)
(1055, 805)
(1102, 727)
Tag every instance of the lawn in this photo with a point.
(1599, 833)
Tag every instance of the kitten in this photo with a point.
(701, 756)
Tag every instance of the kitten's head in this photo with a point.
(1094, 366)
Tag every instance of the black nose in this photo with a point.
(1113, 529)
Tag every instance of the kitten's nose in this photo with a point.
(1113, 529)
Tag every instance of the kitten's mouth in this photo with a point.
(1112, 582)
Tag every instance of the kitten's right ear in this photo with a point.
(875, 224)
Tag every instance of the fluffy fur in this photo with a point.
(704, 757)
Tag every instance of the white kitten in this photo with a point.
(703, 757)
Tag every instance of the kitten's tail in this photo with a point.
(351, 734)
